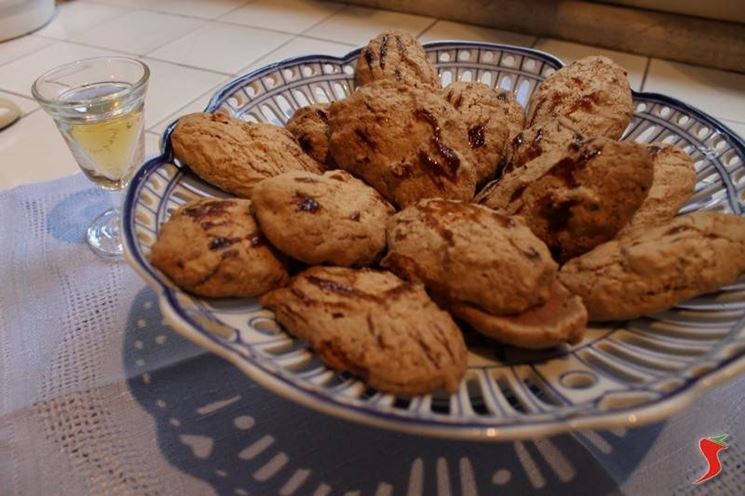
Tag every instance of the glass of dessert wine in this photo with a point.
(97, 105)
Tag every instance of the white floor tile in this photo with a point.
(207, 9)
(357, 25)
(27, 105)
(738, 127)
(19, 75)
(33, 150)
(75, 17)
(152, 145)
(720, 93)
(197, 105)
(293, 16)
(16, 48)
(138, 32)
(569, 52)
(171, 85)
(221, 47)
(446, 30)
(131, 4)
(303, 46)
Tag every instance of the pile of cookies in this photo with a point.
(375, 226)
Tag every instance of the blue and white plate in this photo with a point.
(622, 374)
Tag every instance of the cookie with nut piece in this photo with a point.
(425, 154)
(310, 127)
(672, 185)
(493, 117)
(396, 56)
(467, 252)
(578, 199)
(235, 155)
(651, 270)
(555, 135)
(332, 218)
(371, 323)
(593, 93)
(213, 247)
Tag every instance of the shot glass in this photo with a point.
(98, 105)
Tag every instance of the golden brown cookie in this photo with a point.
(593, 93)
(407, 143)
(333, 218)
(213, 247)
(467, 252)
(653, 269)
(396, 56)
(576, 200)
(547, 137)
(561, 319)
(310, 127)
(235, 155)
(374, 325)
(673, 183)
(492, 117)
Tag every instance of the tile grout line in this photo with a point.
(222, 20)
(232, 23)
(28, 114)
(198, 27)
(261, 57)
(205, 23)
(170, 117)
(130, 11)
(295, 37)
(87, 45)
(166, 12)
(427, 28)
(135, 55)
(321, 21)
(238, 7)
(318, 38)
(183, 64)
(15, 93)
(724, 119)
(646, 72)
(28, 53)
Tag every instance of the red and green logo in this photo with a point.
(710, 448)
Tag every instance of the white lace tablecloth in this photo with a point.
(98, 397)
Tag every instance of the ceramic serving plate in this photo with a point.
(622, 374)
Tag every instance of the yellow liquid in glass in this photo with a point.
(106, 140)
(109, 144)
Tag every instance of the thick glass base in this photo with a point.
(103, 235)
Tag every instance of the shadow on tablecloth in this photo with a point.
(217, 425)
